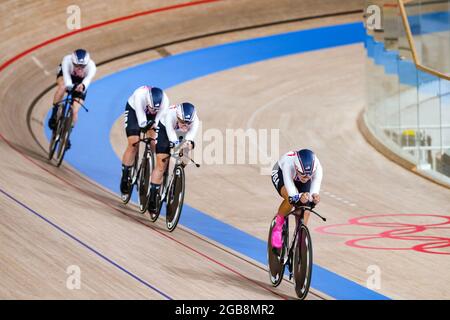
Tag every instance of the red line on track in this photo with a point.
(137, 220)
(102, 24)
(99, 25)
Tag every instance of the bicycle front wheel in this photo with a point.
(144, 181)
(53, 144)
(303, 262)
(65, 134)
(56, 137)
(175, 198)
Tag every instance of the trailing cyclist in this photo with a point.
(297, 176)
(143, 111)
(75, 72)
(179, 120)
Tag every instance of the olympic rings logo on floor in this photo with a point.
(417, 232)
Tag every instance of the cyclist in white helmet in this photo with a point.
(297, 176)
(75, 71)
(179, 120)
(143, 111)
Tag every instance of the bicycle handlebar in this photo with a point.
(70, 93)
(308, 207)
(178, 153)
(146, 140)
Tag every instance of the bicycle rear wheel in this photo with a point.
(56, 135)
(66, 129)
(175, 198)
(275, 257)
(303, 262)
(144, 181)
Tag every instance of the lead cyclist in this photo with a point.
(297, 176)
(76, 71)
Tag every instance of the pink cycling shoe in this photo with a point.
(277, 242)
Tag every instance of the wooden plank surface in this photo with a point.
(45, 210)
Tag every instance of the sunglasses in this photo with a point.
(183, 122)
(303, 176)
(81, 66)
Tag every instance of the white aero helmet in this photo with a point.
(305, 162)
(81, 57)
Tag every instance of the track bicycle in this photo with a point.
(61, 134)
(296, 253)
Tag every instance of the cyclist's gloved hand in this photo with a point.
(316, 198)
(190, 144)
(80, 87)
(173, 144)
(295, 199)
(304, 197)
(148, 125)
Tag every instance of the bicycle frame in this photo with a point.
(68, 101)
(177, 154)
(147, 141)
(299, 213)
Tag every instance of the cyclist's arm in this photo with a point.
(190, 135)
(316, 179)
(170, 123)
(139, 107)
(91, 71)
(163, 109)
(65, 67)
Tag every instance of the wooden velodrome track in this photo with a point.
(122, 256)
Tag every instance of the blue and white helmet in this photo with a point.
(186, 112)
(156, 96)
(305, 162)
(81, 57)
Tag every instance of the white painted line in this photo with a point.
(39, 64)
(284, 121)
(343, 200)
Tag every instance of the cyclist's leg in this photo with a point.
(132, 130)
(162, 161)
(59, 95)
(151, 133)
(130, 152)
(278, 182)
(283, 209)
(78, 99)
(60, 90)
(162, 155)
(76, 107)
